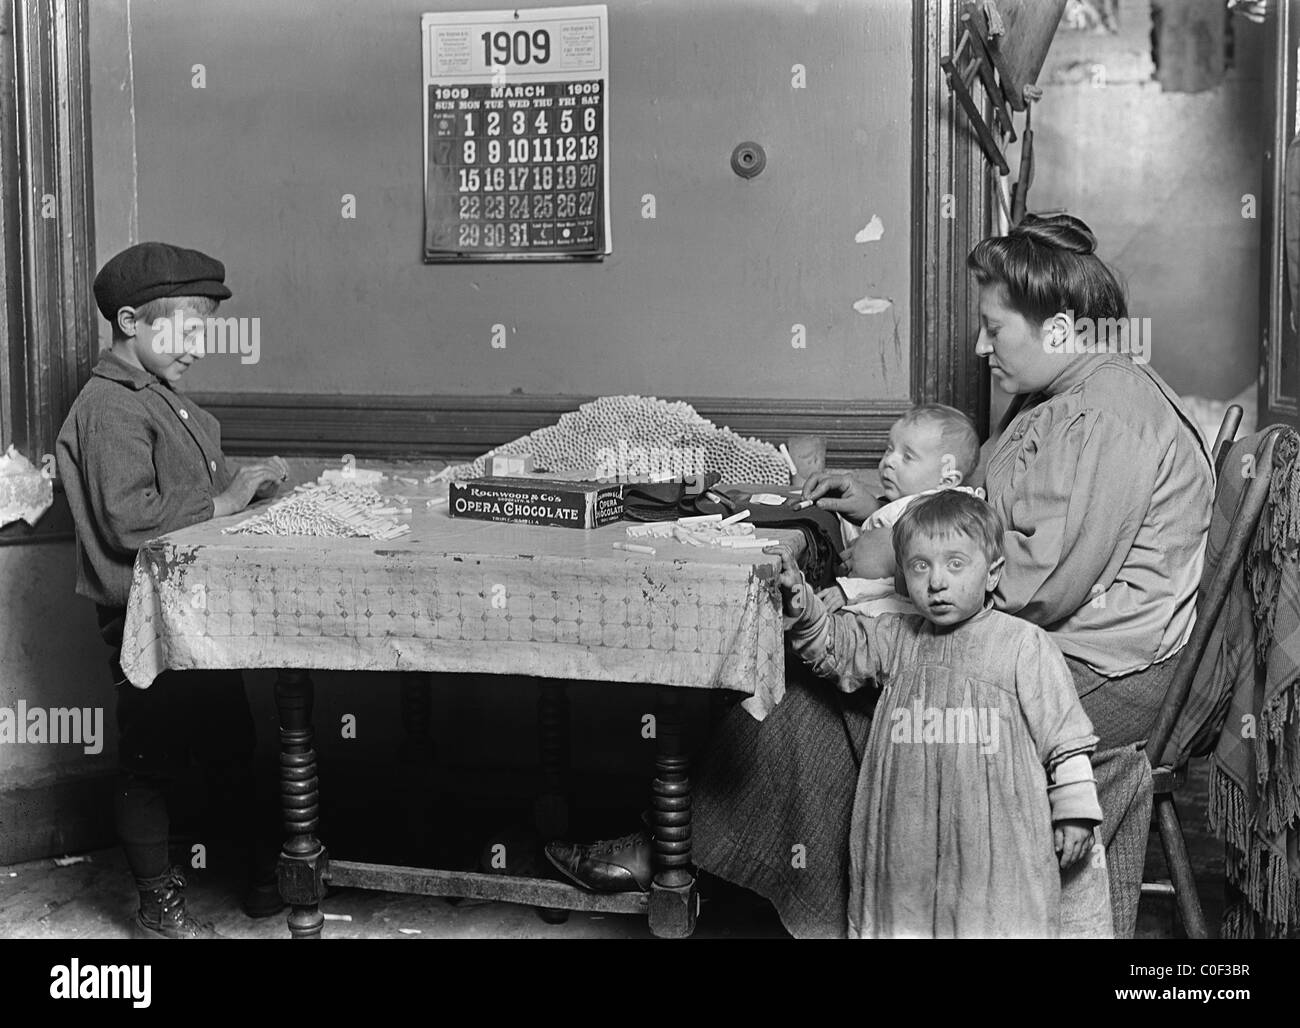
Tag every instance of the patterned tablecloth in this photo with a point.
(460, 596)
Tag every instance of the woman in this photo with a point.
(1104, 487)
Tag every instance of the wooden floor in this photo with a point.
(93, 898)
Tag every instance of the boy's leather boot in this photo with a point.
(162, 911)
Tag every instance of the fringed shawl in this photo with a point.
(1245, 699)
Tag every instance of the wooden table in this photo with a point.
(466, 596)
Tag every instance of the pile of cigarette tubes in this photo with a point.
(329, 510)
(704, 530)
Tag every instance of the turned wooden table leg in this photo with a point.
(673, 900)
(304, 863)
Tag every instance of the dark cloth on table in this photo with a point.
(666, 501)
(766, 788)
(823, 538)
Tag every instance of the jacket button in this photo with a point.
(213, 465)
(184, 413)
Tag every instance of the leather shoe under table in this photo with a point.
(611, 865)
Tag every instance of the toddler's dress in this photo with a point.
(977, 744)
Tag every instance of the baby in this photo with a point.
(931, 447)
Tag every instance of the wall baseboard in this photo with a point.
(457, 428)
(71, 815)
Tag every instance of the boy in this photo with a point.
(137, 460)
(931, 447)
(975, 790)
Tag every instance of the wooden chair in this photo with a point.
(1167, 775)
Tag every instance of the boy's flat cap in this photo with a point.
(148, 271)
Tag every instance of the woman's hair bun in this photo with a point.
(1061, 231)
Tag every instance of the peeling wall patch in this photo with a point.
(874, 230)
(873, 305)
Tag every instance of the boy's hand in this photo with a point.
(790, 578)
(832, 598)
(268, 488)
(247, 481)
(1073, 840)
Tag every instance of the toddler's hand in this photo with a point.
(790, 578)
(1073, 840)
(832, 598)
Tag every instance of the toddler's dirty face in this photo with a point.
(171, 343)
(913, 460)
(948, 576)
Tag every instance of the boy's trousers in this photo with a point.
(182, 717)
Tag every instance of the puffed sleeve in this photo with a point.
(1073, 515)
(844, 647)
(122, 491)
(1062, 732)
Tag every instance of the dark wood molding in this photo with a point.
(460, 428)
(47, 316)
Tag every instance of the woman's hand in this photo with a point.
(1073, 840)
(872, 555)
(852, 497)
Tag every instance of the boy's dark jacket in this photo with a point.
(137, 460)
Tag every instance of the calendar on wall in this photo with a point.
(516, 132)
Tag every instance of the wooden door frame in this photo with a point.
(48, 331)
(1281, 115)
